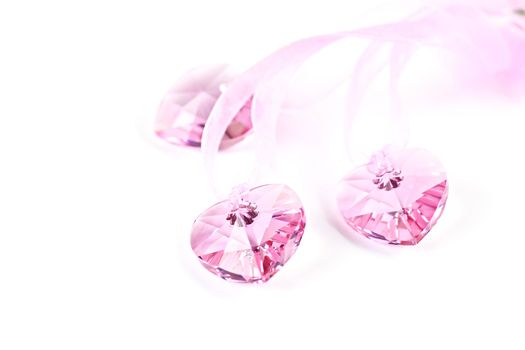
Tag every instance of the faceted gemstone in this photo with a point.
(396, 198)
(251, 236)
(186, 107)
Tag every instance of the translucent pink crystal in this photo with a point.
(186, 107)
(251, 236)
(396, 198)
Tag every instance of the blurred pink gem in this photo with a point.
(186, 107)
(396, 198)
(251, 236)
(520, 20)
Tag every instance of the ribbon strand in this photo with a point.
(467, 31)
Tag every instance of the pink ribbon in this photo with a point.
(483, 38)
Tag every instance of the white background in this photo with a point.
(95, 213)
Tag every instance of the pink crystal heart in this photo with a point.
(251, 236)
(186, 107)
(397, 198)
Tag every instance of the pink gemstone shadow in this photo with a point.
(186, 107)
(250, 240)
(397, 198)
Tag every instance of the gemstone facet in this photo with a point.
(251, 236)
(396, 198)
(186, 107)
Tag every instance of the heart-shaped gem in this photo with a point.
(397, 198)
(251, 236)
(186, 107)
